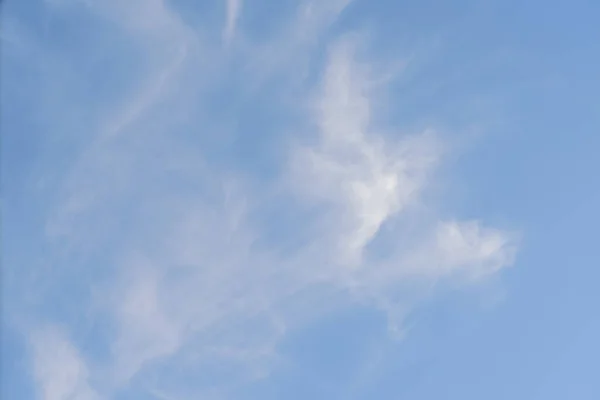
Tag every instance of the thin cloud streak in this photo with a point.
(233, 12)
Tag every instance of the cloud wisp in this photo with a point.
(58, 368)
(233, 11)
(171, 245)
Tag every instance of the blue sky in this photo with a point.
(335, 199)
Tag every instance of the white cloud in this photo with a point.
(168, 45)
(367, 178)
(58, 367)
(478, 250)
(288, 53)
(191, 278)
(146, 331)
(206, 288)
(233, 11)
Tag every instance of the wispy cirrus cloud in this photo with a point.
(58, 367)
(233, 11)
(172, 246)
(366, 177)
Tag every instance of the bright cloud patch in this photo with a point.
(60, 371)
(174, 270)
(367, 177)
